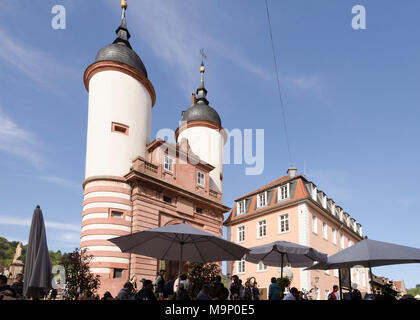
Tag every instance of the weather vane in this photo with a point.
(203, 54)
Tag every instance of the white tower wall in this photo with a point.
(116, 97)
(208, 144)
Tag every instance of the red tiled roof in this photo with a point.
(269, 185)
(300, 193)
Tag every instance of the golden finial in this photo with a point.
(203, 55)
(123, 4)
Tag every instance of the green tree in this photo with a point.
(200, 274)
(79, 279)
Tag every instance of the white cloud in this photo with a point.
(18, 141)
(62, 182)
(35, 64)
(8, 220)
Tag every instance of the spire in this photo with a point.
(201, 91)
(122, 31)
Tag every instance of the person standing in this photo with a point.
(255, 291)
(334, 295)
(126, 293)
(160, 283)
(235, 288)
(274, 290)
(355, 294)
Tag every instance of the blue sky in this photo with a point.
(351, 97)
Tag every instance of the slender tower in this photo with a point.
(119, 123)
(202, 127)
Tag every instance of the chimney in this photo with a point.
(193, 99)
(291, 172)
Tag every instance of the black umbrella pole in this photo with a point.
(179, 271)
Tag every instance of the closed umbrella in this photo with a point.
(370, 253)
(279, 253)
(180, 242)
(37, 275)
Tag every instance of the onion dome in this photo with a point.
(120, 50)
(200, 109)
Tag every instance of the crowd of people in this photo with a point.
(172, 288)
(15, 291)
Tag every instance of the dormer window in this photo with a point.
(200, 179)
(168, 164)
(241, 207)
(262, 199)
(283, 192)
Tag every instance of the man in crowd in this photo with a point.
(274, 290)
(18, 285)
(160, 282)
(126, 293)
(146, 293)
(6, 292)
(292, 295)
(204, 294)
(235, 288)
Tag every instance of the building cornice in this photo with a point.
(200, 123)
(108, 65)
(308, 200)
(136, 175)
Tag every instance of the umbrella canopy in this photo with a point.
(279, 253)
(166, 243)
(370, 253)
(37, 275)
(180, 242)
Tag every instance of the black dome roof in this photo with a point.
(120, 52)
(201, 112)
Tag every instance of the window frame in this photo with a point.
(280, 192)
(264, 228)
(198, 179)
(170, 164)
(238, 207)
(280, 220)
(240, 267)
(265, 194)
(259, 264)
(325, 230)
(314, 224)
(240, 230)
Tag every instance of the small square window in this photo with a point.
(118, 273)
(261, 267)
(116, 214)
(198, 210)
(167, 199)
(200, 179)
(119, 128)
